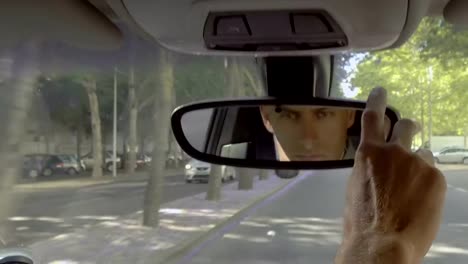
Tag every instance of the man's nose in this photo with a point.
(309, 134)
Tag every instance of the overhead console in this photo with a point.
(273, 27)
(285, 30)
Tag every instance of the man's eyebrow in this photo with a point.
(311, 109)
(320, 109)
(288, 109)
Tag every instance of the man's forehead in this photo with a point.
(303, 108)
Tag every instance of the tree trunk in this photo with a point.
(141, 145)
(174, 150)
(263, 174)
(245, 179)
(124, 148)
(78, 142)
(162, 111)
(133, 116)
(214, 183)
(47, 144)
(253, 80)
(19, 74)
(233, 84)
(90, 84)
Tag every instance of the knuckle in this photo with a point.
(366, 148)
(395, 149)
(370, 116)
(435, 180)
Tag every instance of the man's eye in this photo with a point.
(289, 115)
(323, 114)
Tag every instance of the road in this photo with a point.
(44, 214)
(303, 225)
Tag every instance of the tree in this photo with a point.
(250, 74)
(264, 174)
(18, 75)
(133, 109)
(245, 178)
(235, 89)
(341, 63)
(66, 104)
(198, 78)
(162, 110)
(425, 82)
(214, 183)
(89, 82)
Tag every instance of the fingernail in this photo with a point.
(417, 126)
(378, 98)
(378, 91)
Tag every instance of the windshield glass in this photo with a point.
(152, 201)
(67, 111)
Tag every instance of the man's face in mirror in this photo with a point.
(308, 133)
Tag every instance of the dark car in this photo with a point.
(36, 165)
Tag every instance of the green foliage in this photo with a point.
(199, 79)
(405, 73)
(195, 78)
(67, 102)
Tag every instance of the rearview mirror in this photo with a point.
(273, 133)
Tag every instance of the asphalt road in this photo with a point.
(303, 225)
(43, 214)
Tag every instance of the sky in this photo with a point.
(348, 90)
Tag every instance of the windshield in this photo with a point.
(154, 201)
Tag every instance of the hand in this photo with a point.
(394, 197)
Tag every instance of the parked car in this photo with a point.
(143, 161)
(36, 165)
(452, 155)
(88, 160)
(71, 164)
(174, 161)
(200, 171)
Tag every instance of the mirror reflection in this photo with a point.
(307, 133)
(275, 132)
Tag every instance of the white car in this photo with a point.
(88, 161)
(452, 155)
(200, 171)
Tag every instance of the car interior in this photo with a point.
(294, 45)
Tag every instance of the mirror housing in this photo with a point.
(234, 133)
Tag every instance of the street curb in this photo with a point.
(32, 187)
(173, 255)
(49, 185)
(455, 169)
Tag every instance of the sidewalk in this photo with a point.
(84, 181)
(183, 223)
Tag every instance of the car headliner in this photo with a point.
(136, 14)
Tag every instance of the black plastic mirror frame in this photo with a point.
(180, 111)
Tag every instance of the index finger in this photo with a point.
(372, 123)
